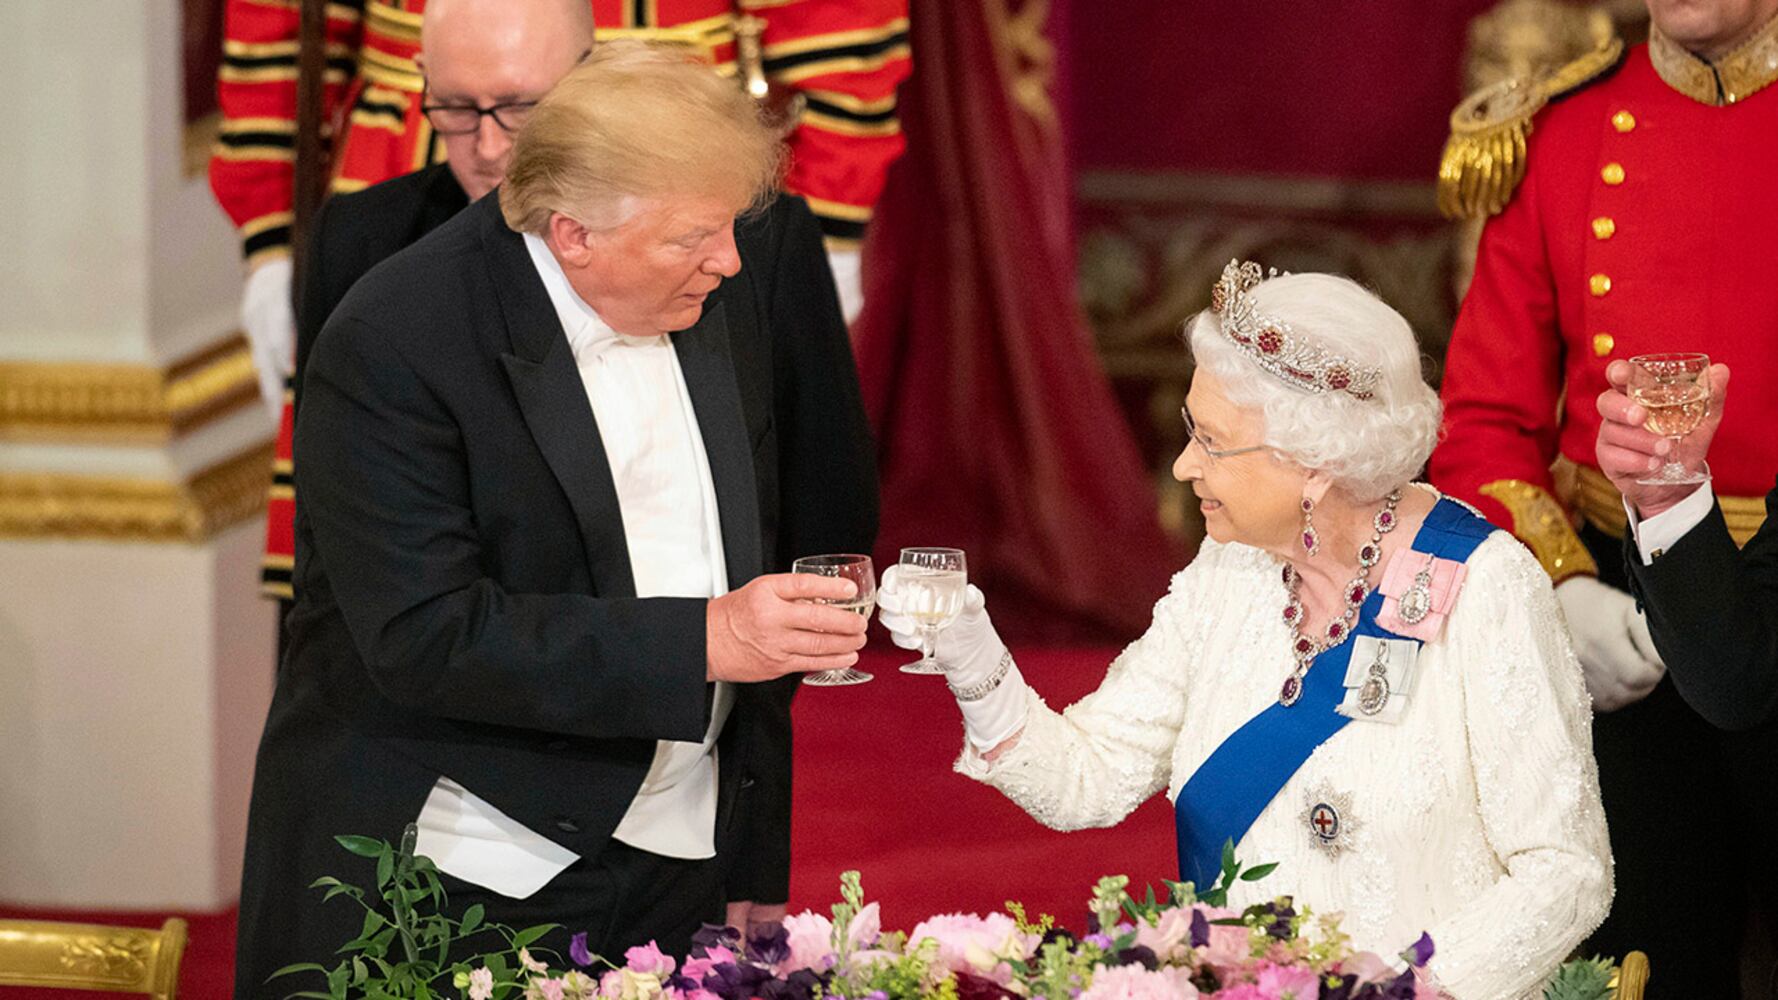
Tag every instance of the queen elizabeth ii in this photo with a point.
(1356, 678)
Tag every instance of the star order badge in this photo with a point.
(1327, 815)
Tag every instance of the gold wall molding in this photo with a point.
(61, 505)
(140, 404)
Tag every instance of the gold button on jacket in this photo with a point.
(1599, 284)
(1603, 343)
(1604, 226)
(1612, 174)
(1623, 121)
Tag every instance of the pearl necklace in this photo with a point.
(1306, 649)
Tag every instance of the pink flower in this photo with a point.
(1367, 967)
(979, 945)
(1168, 938)
(1229, 946)
(649, 958)
(531, 964)
(698, 968)
(810, 942)
(481, 983)
(1242, 991)
(1133, 982)
(545, 989)
(1283, 982)
(865, 927)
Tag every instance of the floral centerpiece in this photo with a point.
(1181, 944)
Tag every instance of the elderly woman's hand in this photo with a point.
(978, 667)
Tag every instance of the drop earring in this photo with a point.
(1311, 540)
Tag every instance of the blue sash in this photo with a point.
(1236, 783)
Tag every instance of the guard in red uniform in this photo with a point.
(1637, 205)
(842, 59)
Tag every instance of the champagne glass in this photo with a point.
(932, 582)
(1675, 390)
(859, 570)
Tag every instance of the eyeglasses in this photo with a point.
(462, 119)
(1191, 430)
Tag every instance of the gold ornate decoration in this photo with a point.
(1484, 159)
(1599, 502)
(92, 956)
(50, 401)
(1749, 68)
(60, 505)
(1541, 523)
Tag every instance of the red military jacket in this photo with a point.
(844, 58)
(1647, 221)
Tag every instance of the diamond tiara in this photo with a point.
(1293, 358)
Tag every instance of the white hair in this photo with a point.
(1366, 446)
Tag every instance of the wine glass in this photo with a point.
(1675, 390)
(932, 582)
(859, 570)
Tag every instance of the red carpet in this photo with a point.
(874, 791)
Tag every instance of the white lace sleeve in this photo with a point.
(1530, 743)
(1094, 763)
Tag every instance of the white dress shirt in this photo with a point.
(652, 441)
(1657, 534)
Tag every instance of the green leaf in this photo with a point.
(372, 922)
(311, 995)
(385, 868)
(1228, 854)
(530, 934)
(472, 918)
(364, 847)
(298, 967)
(343, 890)
(324, 880)
(1258, 872)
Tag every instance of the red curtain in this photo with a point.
(997, 431)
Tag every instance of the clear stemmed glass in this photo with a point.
(932, 582)
(859, 570)
(1675, 390)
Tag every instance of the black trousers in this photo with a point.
(1677, 830)
(624, 898)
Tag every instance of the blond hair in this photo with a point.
(637, 120)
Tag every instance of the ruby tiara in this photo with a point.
(1293, 358)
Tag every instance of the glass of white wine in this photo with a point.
(859, 570)
(1675, 390)
(932, 582)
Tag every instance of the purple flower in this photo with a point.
(714, 936)
(1200, 929)
(1139, 955)
(1098, 941)
(577, 950)
(771, 947)
(1420, 952)
(974, 987)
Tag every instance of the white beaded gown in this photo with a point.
(1475, 818)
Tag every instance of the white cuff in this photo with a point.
(998, 715)
(1657, 534)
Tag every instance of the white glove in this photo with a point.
(270, 324)
(971, 652)
(1617, 656)
(848, 281)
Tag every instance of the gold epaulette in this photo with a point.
(1484, 160)
(1541, 523)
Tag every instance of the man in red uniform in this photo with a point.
(1643, 222)
(843, 60)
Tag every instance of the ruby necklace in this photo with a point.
(1305, 648)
